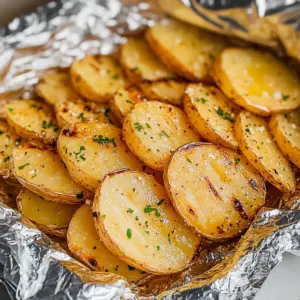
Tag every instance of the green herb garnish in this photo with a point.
(224, 115)
(202, 100)
(188, 160)
(236, 160)
(130, 102)
(138, 127)
(163, 133)
(102, 140)
(285, 97)
(135, 69)
(129, 210)
(82, 117)
(24, 166)
(129, 233)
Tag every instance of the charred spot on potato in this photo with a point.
(93, 262)
(239, 208)
(191, 211)
(212, 188)
(95, 215)
(253, 184)
(69, 132)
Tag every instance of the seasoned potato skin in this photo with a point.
(264, 156)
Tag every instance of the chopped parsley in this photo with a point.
(188, 160)
(285, 97)
(102, 140)
(202, 100)
(149, 209)
(121, 94)
(158, 247)
(6, 159)
(247, 130)
(11, 110)
(147, 125)
(82, 157)
(236, 160)
(163, 133)
(130, 102)
(80, 196)
(135, 69)
(24, 166)
(129, 233)
(130, 268)
(49, 125)
(138, 127)
(82, 117)
(224, 115)
(116, 76)
(103, 217)
(129, 210)
(81, 148)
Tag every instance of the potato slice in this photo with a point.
(124, 100)
(256, 143)
(85, 244)
(212, 114)
(97, 78)
(169, 91)
(154, 130)
(32, 119)
(140, 63)
(92, 150)
(55, 87)
(286, 132)
(257, 81)
(69, 113)
(215, 189)
(148, 234)
(8, 140)
(185, 49)
(43, 172)
(51, 218)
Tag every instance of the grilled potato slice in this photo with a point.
(185, 49)
(43, 172)
(92, 150)
(154, 130)
(147, 234)
(124, 100)
(169, 91)
(69, 113)
(97, 78)
(32, 119)
(215, 189)
(212, 114)
(285, 129)
(55, 87)
(50, 217)
(257, 81)
(8, 140)
(85, 244)
(140, 63)
(258, 146)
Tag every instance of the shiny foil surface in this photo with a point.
(34, 267)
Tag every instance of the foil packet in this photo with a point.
(33, 266)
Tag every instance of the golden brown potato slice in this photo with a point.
(92, 150)
(154, 130)
(85, 244)
(43, 172)
(258, 146)
(215, 189)
(69, 113)
(285, 129)
(9, 192)
(147, 233)
(170, 91)
(32, 119)
(212, 114)
(97, 78)
(124, 100)
(8, 140)
(55, 87)
(185, 49)
(52, 218)
(257, 81)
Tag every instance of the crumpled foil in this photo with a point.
(33, 266)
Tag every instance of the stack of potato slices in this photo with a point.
(134, 160)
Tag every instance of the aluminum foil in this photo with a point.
(32, 266)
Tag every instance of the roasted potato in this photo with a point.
(85, 244)
(8, 140)
(140, 63)
(258, 146)
(97, 78)
(9, 192)
(184, 49)
(43, 172)
(169, 91)
(50, 217)
(257, 81)
(92, 150)
(69, 113)
(215, 189)
(124, 100)
(285, 129)
(55, 87)
(212, 114)
(32, 119)
(153, 130)
(147, 232)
